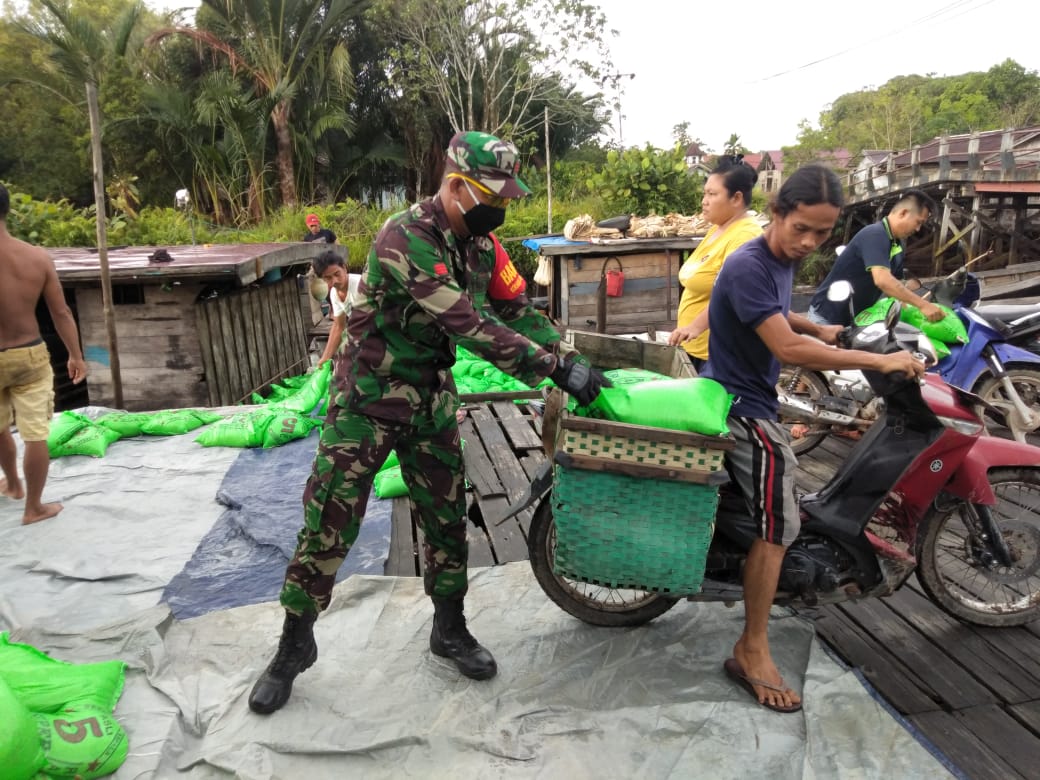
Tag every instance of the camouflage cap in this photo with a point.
(488, 160)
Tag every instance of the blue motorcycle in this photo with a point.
(1003, 375)
(814, 404)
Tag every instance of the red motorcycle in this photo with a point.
(925, 490)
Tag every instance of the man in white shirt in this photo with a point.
(332, 269)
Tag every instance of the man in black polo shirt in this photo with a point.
(873, 264)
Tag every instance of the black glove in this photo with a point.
(580, 380)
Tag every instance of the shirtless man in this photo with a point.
(26, 379)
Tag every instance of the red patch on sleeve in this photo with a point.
(506, 281)
(440, 268)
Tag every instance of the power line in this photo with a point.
(933, 15)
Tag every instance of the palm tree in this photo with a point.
(79, 54)
(294, 54)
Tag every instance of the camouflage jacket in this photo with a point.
(422, 292)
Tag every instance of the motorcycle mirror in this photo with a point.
(839, 291)
(895, 310)
(927, 350)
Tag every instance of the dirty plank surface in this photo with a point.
(973, 692)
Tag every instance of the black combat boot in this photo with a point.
(451, 639)
(296, 652)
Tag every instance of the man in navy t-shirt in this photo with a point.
(873, 264)
(752, 331)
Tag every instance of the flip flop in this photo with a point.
(735, 672)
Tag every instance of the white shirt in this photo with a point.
(341, 306)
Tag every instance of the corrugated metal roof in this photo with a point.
(244, 262)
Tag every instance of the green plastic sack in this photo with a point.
(310, 392)
(173, 422)
(621, 377)
(64, 427)
(92, 440)
(285, 426)
(948, 330)
(81, 741)
(390, 462)
(44, 684)
(21, 754)
(245, 429)
(696, 404)
(124, 423)
(389, 483)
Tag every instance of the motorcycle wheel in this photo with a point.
(593, 604)
(806, 386)
(949, 567)
(1027, 383)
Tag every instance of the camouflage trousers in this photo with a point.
(352, 448)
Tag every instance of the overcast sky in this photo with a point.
(758, 68)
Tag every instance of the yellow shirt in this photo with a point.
(697, 275)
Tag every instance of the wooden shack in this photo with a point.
(650, 295)
(207, 328)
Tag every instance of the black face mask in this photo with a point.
(482, 219)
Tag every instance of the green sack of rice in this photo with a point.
(696, 404)
(92, 440)
(44, 684)
(632, 376)
(390, 462)
(948, 330)
(286, 426)
(176, 421)
(82, 741)
(309, 394)
(389, 483)
(21, 754)
(71, 706)
(245, 429)
(64, 427)
(124, 423)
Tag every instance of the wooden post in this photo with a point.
(915, 166)
(548, 177)
(940, 239)
(1007, 156)
(944, 158)
(974, 164)
(102, 240)
(1017, 226)
(976, 230)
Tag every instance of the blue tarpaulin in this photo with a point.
(242, 559)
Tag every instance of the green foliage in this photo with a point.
(647, 181)
(909, 110)
(814, 268)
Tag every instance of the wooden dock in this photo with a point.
(973, 692)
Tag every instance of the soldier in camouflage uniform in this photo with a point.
(423, 291)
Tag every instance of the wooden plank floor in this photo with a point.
(973, 692)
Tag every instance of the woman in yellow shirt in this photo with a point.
(727, 195)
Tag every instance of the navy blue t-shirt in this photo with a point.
(752, 286)
(869, 247)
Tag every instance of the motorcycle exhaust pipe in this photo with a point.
(800, 411)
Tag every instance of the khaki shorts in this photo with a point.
(27, 391)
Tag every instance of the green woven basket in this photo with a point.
(620, 531)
